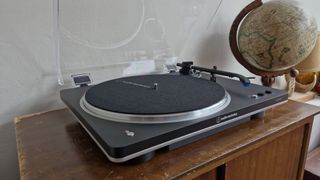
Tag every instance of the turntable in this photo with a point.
(130, 118)
(135, 106)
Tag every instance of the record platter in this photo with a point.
(130, 118)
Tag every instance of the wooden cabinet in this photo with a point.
(53, 145)
(278, 159)
(211, 175)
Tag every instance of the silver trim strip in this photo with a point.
(139, 153)
(155, 119)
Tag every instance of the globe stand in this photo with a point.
(267, 77)
(267, 81)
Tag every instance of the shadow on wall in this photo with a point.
(9, 167)
(213, 51)
(39, 100)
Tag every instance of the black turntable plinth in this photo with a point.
(131, 118)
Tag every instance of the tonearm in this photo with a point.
(187, 67)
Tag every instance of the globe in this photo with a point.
(277, 35)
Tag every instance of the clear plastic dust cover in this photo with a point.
(114, 38)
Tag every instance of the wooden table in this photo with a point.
(53, 145)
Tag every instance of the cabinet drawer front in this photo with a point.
(278, 159)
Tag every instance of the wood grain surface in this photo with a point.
(278, 159)
(53, 145)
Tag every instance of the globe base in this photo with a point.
(267, 81)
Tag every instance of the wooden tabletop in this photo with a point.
(53, 145)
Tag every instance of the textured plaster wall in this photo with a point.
(27, 69)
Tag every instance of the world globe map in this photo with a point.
(277, 35)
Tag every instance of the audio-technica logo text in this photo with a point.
(229, 116)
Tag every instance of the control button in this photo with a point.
(268, 92)
(260, 94)
(254, 96)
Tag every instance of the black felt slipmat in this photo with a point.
(136, 95)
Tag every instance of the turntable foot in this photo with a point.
(258, 116)
(142, 158)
